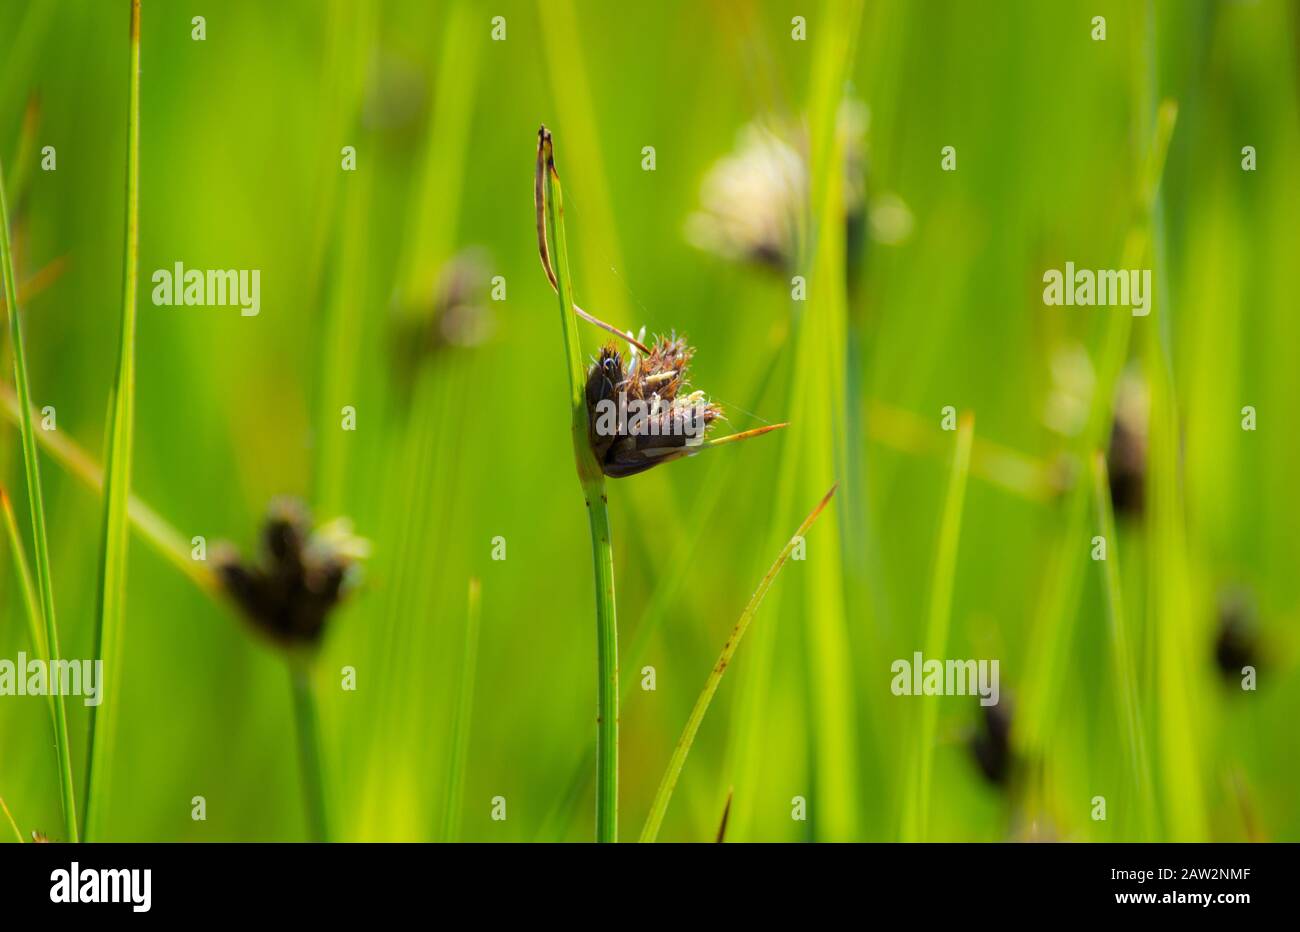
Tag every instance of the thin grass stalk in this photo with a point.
(675, 764)
(23, 160)
(916, 807)
(593, 490)
(166, 541)
(1050, 636)
(31, 608)
(1121, 652)
(9, 817)
(712, 490)
(117, 471)
(36, 500)
(721, 836)
(460, 727)
(307, 726)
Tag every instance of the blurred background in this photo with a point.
(773, 157)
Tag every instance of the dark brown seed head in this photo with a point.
(990, 745)
(639, 415)
(303, 575)
(1126, 458)
(1236, 643)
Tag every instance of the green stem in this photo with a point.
(916, 803)
(309, 750)
(110, 617)
(1121, 656)
(550, 209)
(602, 552)
(461, 724)
(36, 500)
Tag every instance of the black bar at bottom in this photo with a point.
(727, 882)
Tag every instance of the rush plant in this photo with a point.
(657, 374)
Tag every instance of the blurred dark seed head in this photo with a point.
(455, 314)
(655, 382)
(990, 744)
(304, 573)
(1126, 458)
(1236, 642)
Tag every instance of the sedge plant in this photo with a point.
(655, 376)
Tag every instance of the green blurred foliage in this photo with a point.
(241, 140)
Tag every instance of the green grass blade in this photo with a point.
(1121, 652)
(24, 572)
(36, 498)
(550, 202)
(461, 724)
(23, 161)
(916, 804)
(1051, 634)
(117, 471)
(31, 608)
(435, 218)
(307, 724)
(31, 466)
(666, 785)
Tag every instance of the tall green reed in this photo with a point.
(115, 538)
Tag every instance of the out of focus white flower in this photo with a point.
(750, 200)
(753, 200)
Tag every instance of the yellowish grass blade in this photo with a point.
(675, 764)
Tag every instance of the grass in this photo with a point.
(1122, 660)
(31, 609)
(917, 784)
(592, 480)
(36, 500)
(307, 729)
(161, 536)
(9, 817)
(654, 820)
(109, 631)
(815, 454)
(456, 762)
(1059, 157)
